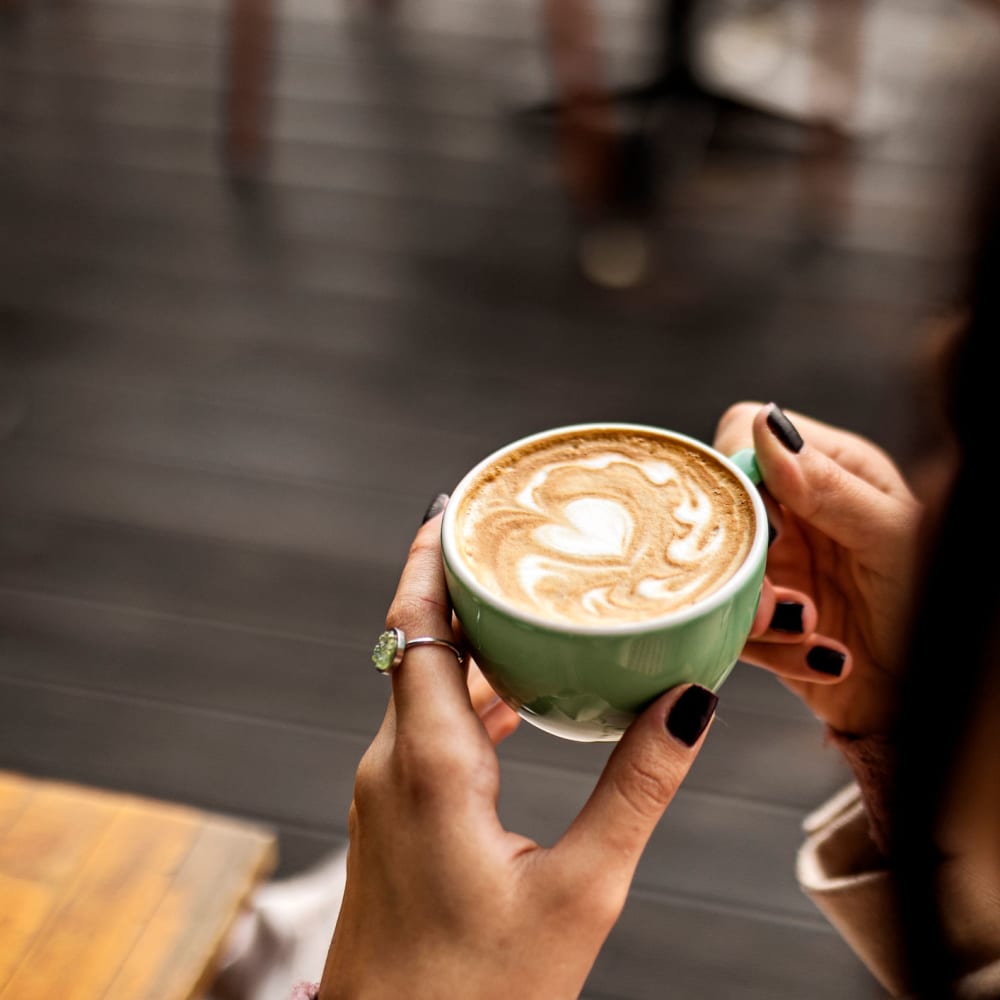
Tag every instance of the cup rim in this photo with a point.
(747, 568)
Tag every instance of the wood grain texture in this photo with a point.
(107, 895)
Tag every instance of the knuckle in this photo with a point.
(406, 612)
(647, 785)
(424, 543)
(403, 610)
(828, 483)
(368, 782)
(736, 418)
(428, 771)
(608, 901)
(598, 900)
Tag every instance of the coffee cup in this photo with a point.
(593, 567)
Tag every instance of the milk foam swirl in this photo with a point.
(606, 527)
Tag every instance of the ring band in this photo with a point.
(393, 644)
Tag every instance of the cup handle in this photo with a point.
(746, 461)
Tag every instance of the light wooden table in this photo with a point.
(104, 895)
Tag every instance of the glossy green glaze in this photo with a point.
(589, 684)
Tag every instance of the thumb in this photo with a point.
(806, 474)
(639, 781)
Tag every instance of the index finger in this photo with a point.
(854, 453)
(865, 510)
(429, 685)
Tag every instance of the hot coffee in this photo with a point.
(603, 526)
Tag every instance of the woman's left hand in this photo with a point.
(441, 900)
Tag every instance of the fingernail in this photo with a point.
(787, 617)
(691, 713)
(827, 661)
(783, 429)
(437, 505)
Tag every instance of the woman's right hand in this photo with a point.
(441, 899)
(848, 540)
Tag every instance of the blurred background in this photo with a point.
(272, 275)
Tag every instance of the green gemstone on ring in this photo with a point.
(384, 652)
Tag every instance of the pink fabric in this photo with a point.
(304, 991)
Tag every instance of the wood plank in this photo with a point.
(187, 228)
(925, 231)
(317, 521)
(252, 443)
(766, 756)
(431, 33)
(204, 664)
(151, 355)
(128, 360)
(192, 22)
(93, 880)
(711, 846)
(15, 794)
(40, 846)
(101, 912)
(142, 650)
(202, 579)
(708, 846)
(902, 65)
(65, 641)
(187, 123)
(432, 178)
(142, 104)
(209, 760)
(765, 746)
(340, 377)
(333, 69)
(173, 222)
(175, 955)
(682, 935)
(688, 951)
(40, 853)
(693, 948)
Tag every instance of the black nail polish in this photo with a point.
(691, 713)
(827, 661)
(436, 506)
(783, 429)
(787, 617)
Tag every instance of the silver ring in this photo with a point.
(392, 644)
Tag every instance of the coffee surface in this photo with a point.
(604, 527)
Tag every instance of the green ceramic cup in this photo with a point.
(588, 682)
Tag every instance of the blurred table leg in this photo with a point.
(251, 41)
(584, 119)
(838, 42)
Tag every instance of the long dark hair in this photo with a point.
(948, 657)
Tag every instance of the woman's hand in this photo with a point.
(846, 549)
(441, 900)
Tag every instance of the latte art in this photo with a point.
(605, 527)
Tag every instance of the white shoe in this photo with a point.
(283, 935)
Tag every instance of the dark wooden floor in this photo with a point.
(225, 405)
